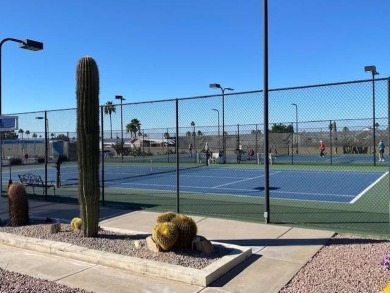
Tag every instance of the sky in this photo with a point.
(152, 50)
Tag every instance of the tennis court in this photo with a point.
(303, 185)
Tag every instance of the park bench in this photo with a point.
(32, 180)
(214, 157)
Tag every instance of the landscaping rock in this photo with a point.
(53, 228)
(200, 243)
(153, 246)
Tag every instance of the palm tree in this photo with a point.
(34, 135)
(133, 127)
(27, 133)
(21, 131)
(193, 126)
(109, 108)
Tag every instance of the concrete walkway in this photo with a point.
(278, 253)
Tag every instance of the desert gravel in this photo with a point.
(125, 244)
(11, 282)
(346, 264)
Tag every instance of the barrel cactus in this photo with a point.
(18, 205)
(76, 223)
(165, 217)
(165, 235)
(187, 230)
(87, 92)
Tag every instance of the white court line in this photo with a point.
(333, 159)
(368, 188)
(316, 194)
(202, 187)
(243, 180)
(241, 189)
(203, 176)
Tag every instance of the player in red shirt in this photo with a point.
(322, 149)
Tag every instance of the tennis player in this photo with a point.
(322, 149)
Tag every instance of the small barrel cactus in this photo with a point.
(76, 223)
(18, 205)
(165, 235)
(187, 230)
(165, 217)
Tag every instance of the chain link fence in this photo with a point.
(205, 155)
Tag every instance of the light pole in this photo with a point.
(219, 136)
(296, 124)
(121, 98)
(217, 85)
(372, 69)
(24, 44)
(46, 147)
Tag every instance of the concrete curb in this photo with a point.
(202, 277)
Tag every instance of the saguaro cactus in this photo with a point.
(87, 92)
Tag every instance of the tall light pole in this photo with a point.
(296, 124)
(121, 98)
(213, 86)
(219, 136)
(24, 44)
(372, 69)
(46, 147)
(266, 116)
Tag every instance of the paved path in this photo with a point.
(278, 253)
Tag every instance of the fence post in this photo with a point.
(256, 138)
(167, 137)
(177, 159)
(238, 145)
(292, 144)
(266, 130)
(330, 142)
(388, 132)
(102, 151)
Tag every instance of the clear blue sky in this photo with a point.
(151, 50)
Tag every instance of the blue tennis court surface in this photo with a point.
(335, 158)
(295, 185)
(324, 186)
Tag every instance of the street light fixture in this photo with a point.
(24, 44)
(372, 69)
(121, 98)
(219, 136)
(296, 123)
(213, 86)
(46, 147)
